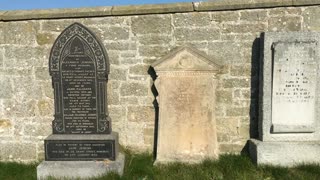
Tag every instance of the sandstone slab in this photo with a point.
(187, 128)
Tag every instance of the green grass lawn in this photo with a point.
(140, 167)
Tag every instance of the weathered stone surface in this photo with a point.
(152, 9)
(133, 89)
(116, 33)
(236, 83)
(224, 96)
(149, 39)
(234, 111)
(36, 130)
(310, 19)
(141, 114)
(21, 33)
(118, 73)
(46, 107)
(284, 24)
(6, 90)
(232, 52)
(56, 13)
(27, 87)
(153, 51)
(199, 34)
(24, 57)
(186, 99)
(242, 70)
(42, 73)
(21, 108)
(108, 20)
(117, 113)
(240, 4)
(45, 38)
(17, 151)
(5, 126)
(160, 24)
(244, 28)
(253, 15)
(140, 69)
(191, 19)
(225, 16)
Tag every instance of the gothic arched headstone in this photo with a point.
(82, 136)
(79, 68)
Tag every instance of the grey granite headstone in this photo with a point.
(81, 127)
(289, 127)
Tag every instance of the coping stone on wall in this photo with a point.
(218, 5)
(240, 4)
(152, 9)
(55, 13)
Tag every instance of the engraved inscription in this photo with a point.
(79, 150)
(79, 68)
(79, 94)
(294, 83)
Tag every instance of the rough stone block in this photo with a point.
(150, 39)
(311, 21)
(160, 24)
(18, 151)
(20, 33)
(199, 34)
(133, 89)
(139, 69)
(191, 19)
(79, 169)
(284, 23)
(118, 73)
(253, 15)
(225, 16)
(6, 90)
(244, 28)
(116, 33)
(141, 114)
(45, 38)
(153, 51)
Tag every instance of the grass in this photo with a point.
(140, 167)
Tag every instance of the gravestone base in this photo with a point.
(285, 154)
(79, 169)
(69, 147)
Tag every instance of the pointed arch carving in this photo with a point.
(78, 53)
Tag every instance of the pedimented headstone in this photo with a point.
(289, 126)
(81, 127)
(186, 85)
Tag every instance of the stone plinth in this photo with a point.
(187, 127)
(79, 169)
(289, 127)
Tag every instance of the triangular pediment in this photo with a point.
(186, 59)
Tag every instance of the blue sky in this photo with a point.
(45, 4)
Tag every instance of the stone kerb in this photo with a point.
(186, 86)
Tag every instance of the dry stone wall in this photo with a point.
(133, 43)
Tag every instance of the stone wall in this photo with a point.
(135, 37)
